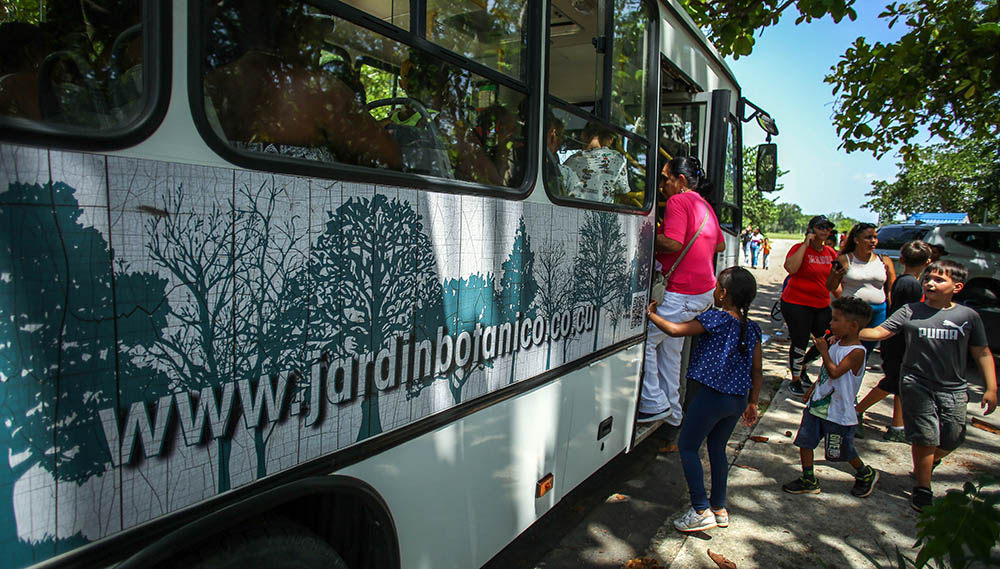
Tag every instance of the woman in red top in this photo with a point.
(805, 302)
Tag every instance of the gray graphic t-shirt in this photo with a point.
(937, 343)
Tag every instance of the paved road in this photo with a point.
(624, 512)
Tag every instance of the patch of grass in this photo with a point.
(780, 235)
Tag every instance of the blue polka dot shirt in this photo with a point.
(717, 360)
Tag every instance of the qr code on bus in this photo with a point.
(638, 308)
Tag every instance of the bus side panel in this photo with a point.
(468, 489)
(177, 331)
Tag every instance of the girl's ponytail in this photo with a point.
(741, 289)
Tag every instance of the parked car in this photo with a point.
(975, 245)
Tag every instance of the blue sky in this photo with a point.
(784, 75)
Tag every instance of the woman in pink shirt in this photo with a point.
(688, 219)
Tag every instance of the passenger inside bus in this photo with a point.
(437, 106)
(283, 92)
(601, 170)
(558, 177)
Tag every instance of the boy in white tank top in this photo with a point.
(830, 411)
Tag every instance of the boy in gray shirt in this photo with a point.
(939, 337)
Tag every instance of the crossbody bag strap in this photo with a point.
(704, 220)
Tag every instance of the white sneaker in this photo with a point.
(721, 517)
(693, 521)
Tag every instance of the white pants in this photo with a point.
(662, 378)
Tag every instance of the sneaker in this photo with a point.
(802, 485)
(651, 417)
(920, 498)
(693, 521)
(894, 435)
(864, 485)
(804, 378)
(859, 433)
(796, 388)
(721, 517)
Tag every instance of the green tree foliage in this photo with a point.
(962, 176)
(731, 24)
(942, 75)
(790, 218)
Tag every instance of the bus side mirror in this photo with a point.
(767, 167)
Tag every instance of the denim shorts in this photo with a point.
(933, 418)
(812, 429)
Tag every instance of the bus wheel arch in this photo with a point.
(345, 514)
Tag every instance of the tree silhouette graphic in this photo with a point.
(517, 285)
(196, 251)
(468, 302)
(643, 266)
(374, 278)
(599, 269)
(554, 276)
(270, 312)
(58, 360)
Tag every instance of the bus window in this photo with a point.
(630, 71)
(576, 67)
(74, 67)
(292, 82)
(491, 34)
(596, 133)
(729, 208)
(680, 129)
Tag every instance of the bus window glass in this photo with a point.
(380, 81)
(76, 65)
(395, 12)
(631, 65)
(576, 73)
(286, 81)
(731, 181)
(585, 160)
(680, 130)
(491, 32)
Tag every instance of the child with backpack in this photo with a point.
(726, 365)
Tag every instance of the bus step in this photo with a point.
(643, 430)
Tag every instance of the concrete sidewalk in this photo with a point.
(771, 528)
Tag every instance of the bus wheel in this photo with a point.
(277, 544)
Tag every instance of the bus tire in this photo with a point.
(278, 544)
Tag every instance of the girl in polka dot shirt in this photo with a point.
(726, 365)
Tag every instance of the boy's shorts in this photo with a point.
(812, 429)
(933, 418)
(891, 367)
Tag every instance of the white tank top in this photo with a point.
(865, 280)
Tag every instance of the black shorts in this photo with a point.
(891, 367)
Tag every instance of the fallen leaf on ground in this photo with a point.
(758, 438)
(616, 498)
(669, 448)
(746, 467)
(985, 426)
(642, 563)
(721, 560)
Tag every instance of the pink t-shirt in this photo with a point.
(696, 273)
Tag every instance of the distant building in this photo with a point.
(939, 218)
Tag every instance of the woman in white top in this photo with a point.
(863, 274)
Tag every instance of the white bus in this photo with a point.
(349, 283)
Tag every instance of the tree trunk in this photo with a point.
(15, 552)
